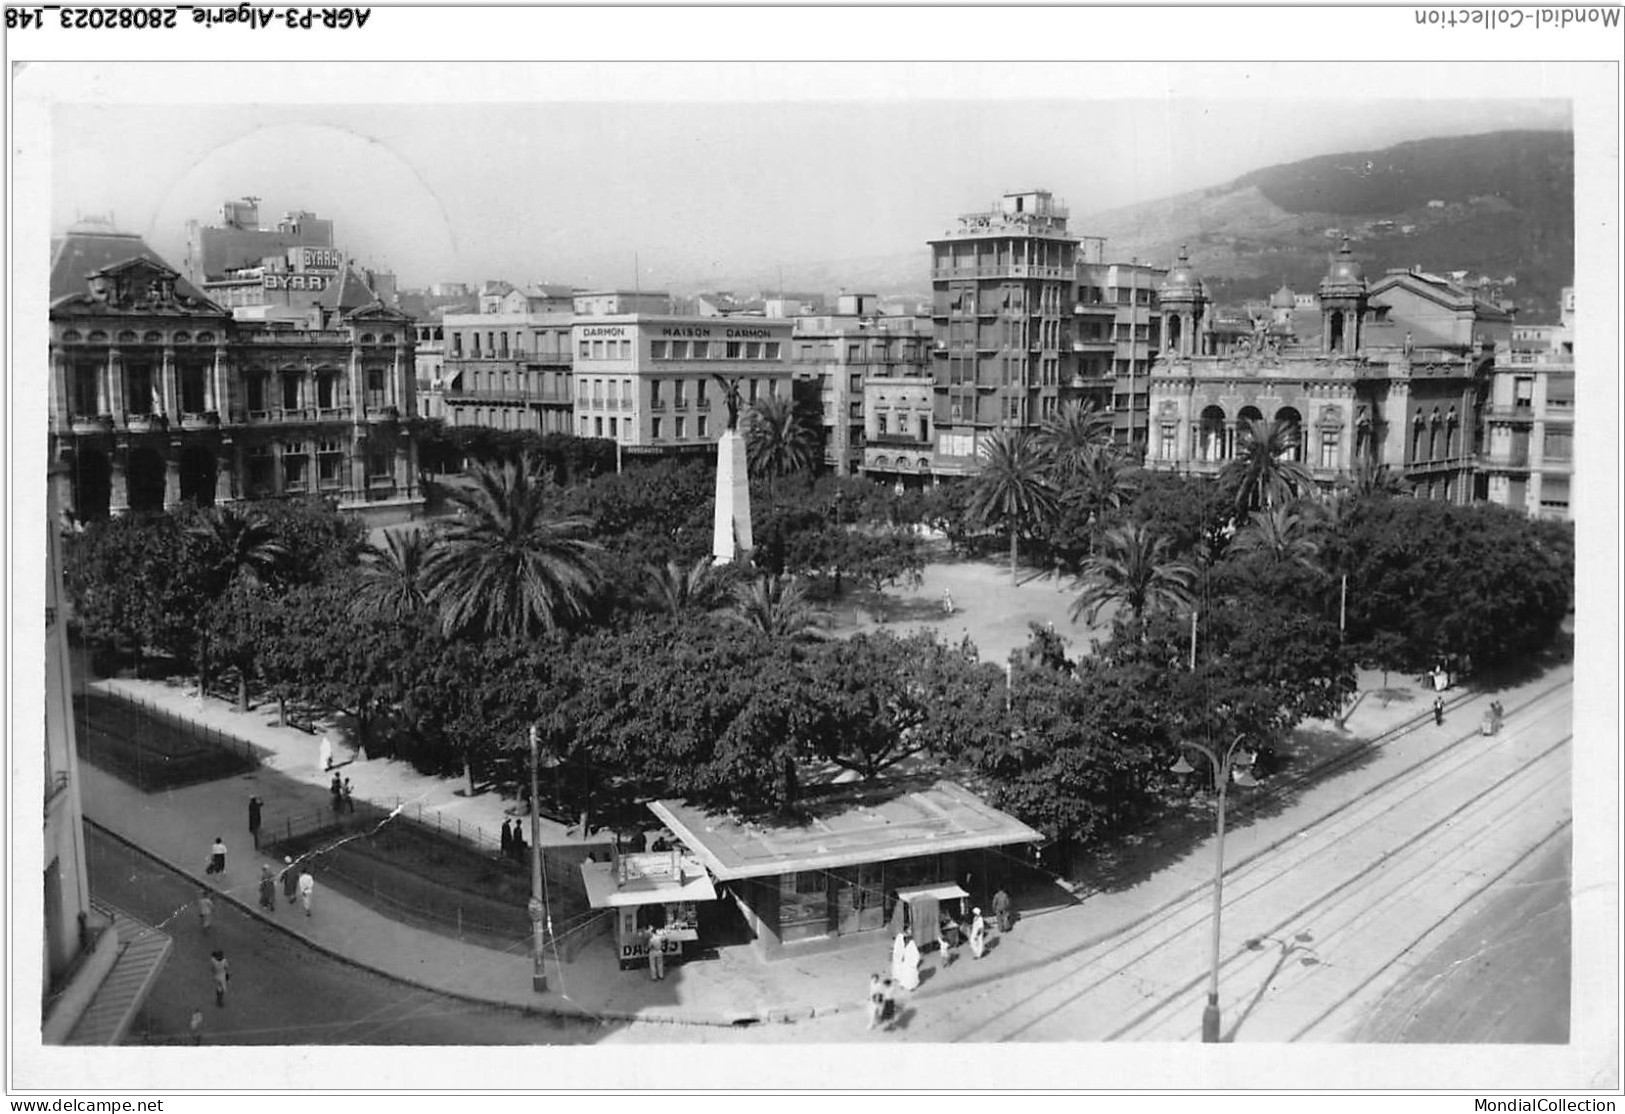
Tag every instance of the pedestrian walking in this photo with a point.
(290, 879)
(507, 841)
(349, 797)
(217, 857)
(888, 1001)
(267, 888)
(324, 756)
(307, 889)
(1003, 911)
(978, 934)
(337, 790)
(1438, 710)
(255, 805)
(196, 1026)
(1496, 711)
(657, 954)
(877, 1001)
(205, 910)
(220, 971)
(947, 602)
(907, 974)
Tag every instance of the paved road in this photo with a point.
(1502, 977)
(1320, 931)
(282, 991)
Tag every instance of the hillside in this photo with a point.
(1500, 203)
(1505, 206)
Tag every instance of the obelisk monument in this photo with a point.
(730, 532)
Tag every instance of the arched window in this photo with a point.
(1292, 426)
(1210, 444)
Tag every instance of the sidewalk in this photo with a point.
(178, 825)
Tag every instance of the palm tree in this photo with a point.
(674, 589)
(505, 567)
(238, 545)
(776, 606)
(1281, 534)
(1261, 475)
(391, 583)
(1129, 569)
(1372, 478)
(778, 439)
(1012, 486)
(1074, 437)
(237, 548)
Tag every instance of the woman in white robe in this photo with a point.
(978, 934)
(908, 974)
(898, 947)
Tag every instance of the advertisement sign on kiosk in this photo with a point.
(654, 890)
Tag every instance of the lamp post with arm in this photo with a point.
(538, 909)
(1233, 763)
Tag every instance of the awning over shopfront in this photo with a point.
(627, 882)
(938, 893)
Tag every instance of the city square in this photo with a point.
(1105, 626)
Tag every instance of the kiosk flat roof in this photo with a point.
(868, 824)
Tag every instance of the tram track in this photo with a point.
(1404, 869)
(1450, 767)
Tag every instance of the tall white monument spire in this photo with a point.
(730, 533)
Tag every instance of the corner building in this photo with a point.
(646, 380)
(1001, 288)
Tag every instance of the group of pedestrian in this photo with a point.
(343, 794)
(513, 841)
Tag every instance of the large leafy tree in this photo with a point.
(881, 700)
(1132, 571)
(779, 438)
(1280, 534)
(507, 567)
(1012, 487)
(236, 544)
(1262, 475)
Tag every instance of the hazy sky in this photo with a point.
(572, 189)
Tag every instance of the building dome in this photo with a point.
(1182, 279)
(1283, 298)
(1346, 270)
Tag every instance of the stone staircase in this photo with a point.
(142, 952)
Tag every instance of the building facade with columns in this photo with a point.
(1396, 374)
(159, 396)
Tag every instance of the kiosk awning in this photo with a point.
(943, 891)
(603, 893)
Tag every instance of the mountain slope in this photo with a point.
(1500, 203)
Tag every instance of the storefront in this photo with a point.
(861, 862)
(656, 891)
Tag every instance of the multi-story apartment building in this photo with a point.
(159, 395)
(1528, 454)
(1115, 339)
(872, 377)
(509, 367)
(646, 380)
(1002, 287)
(238, 241)
(1393, 374)
(97, 963)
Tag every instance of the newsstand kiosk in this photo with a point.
(656, 890)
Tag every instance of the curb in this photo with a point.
(579, 1014)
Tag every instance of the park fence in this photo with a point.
(491, 918)
(153, 746)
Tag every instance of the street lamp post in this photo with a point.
(538, 909)
(1234, 763)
